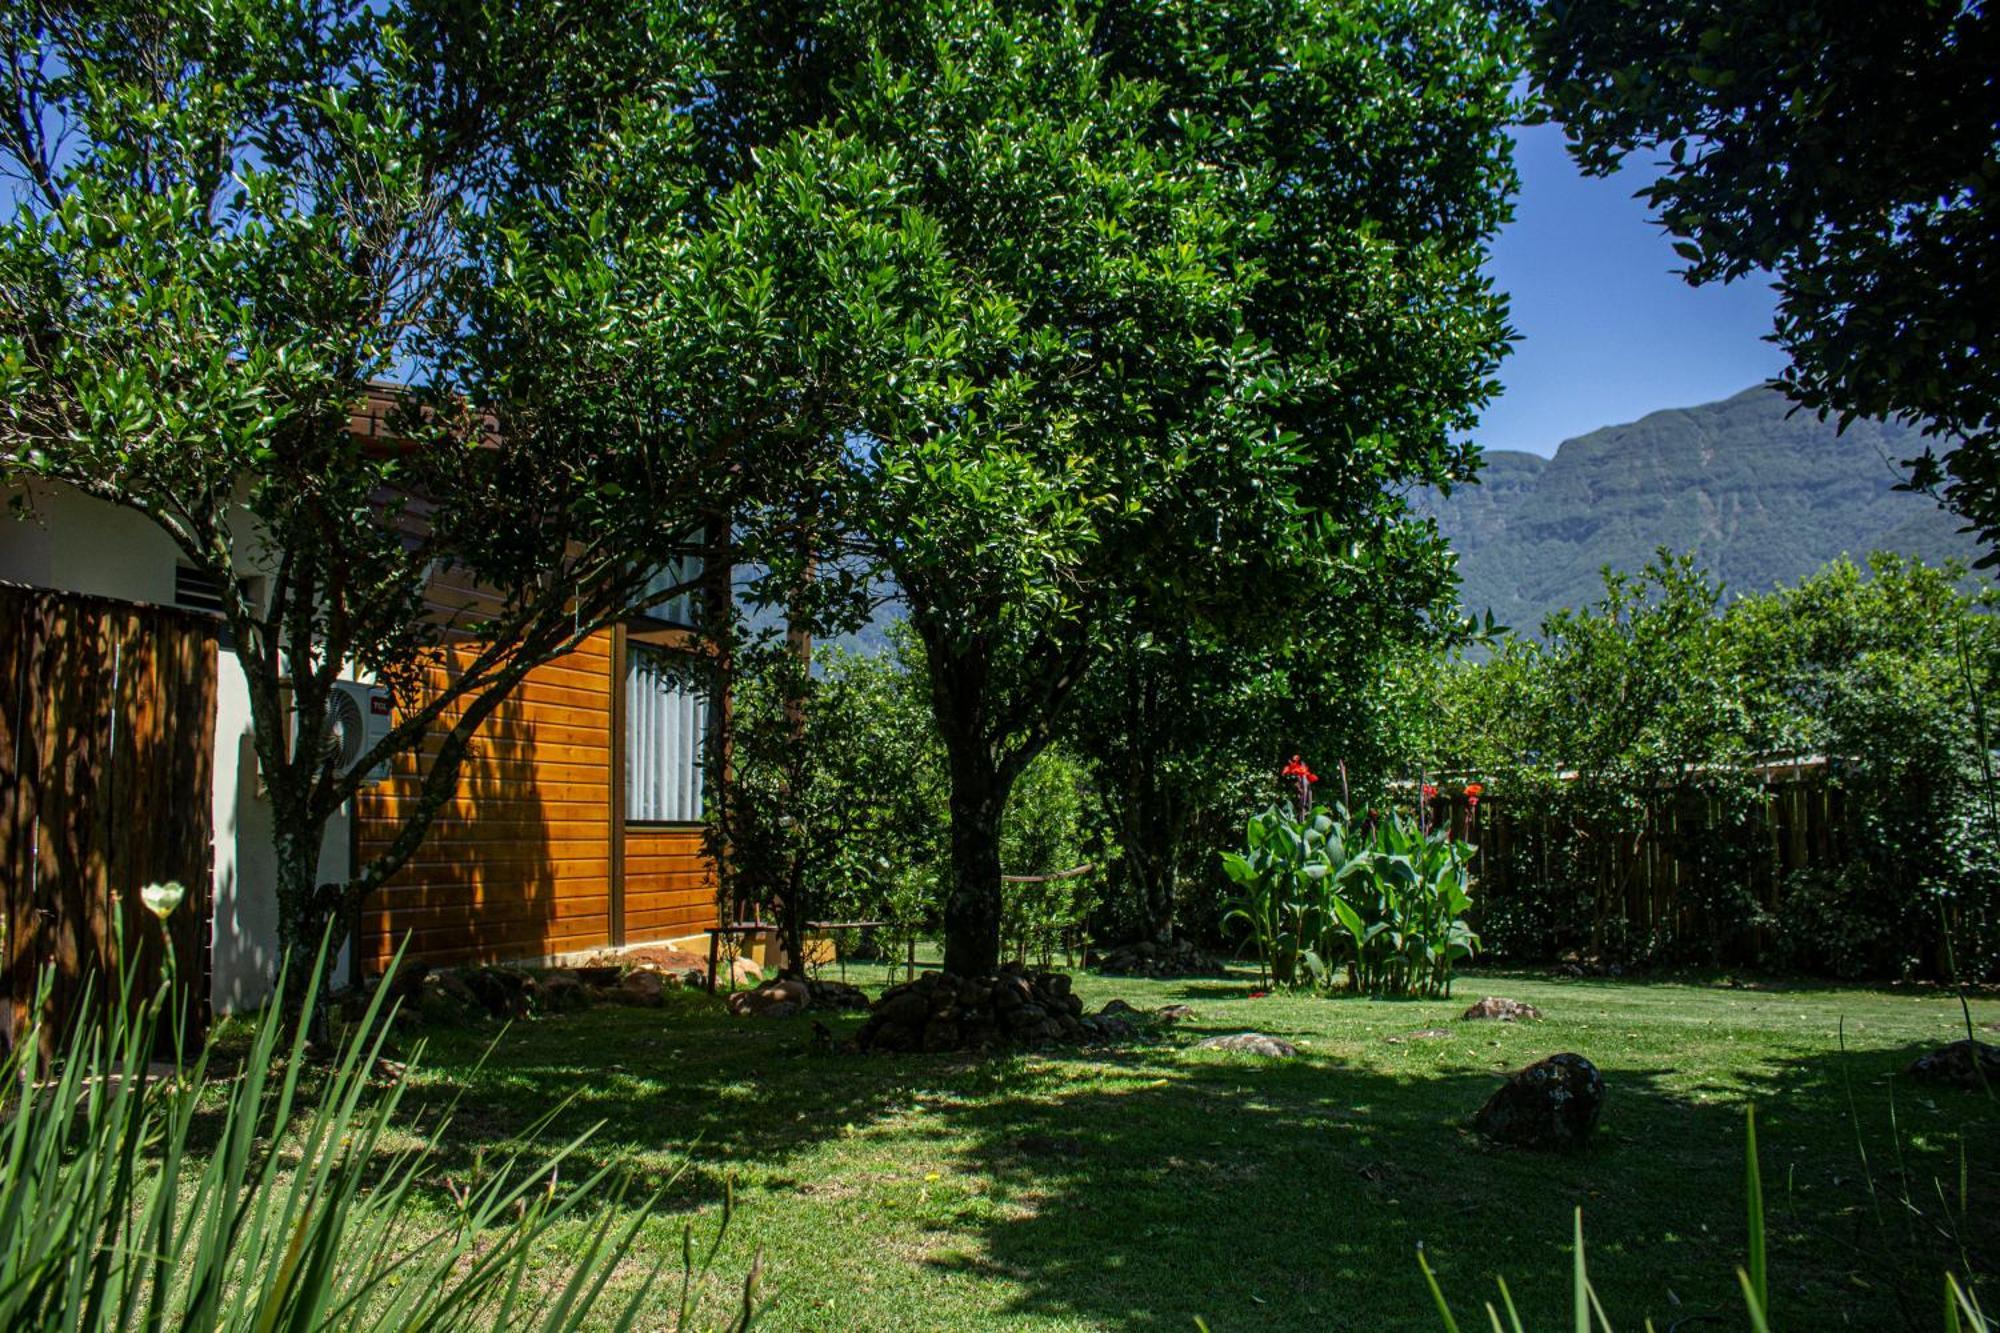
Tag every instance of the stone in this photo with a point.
(940, 1034)
(559, 991)
(643, 989)
(1500, 1010)
(406, 985)
(1552, 1105)
(445, 1002)
(1251, 1043)
(743, 971)
(1148, 958)
(600, 975)
(909, 1008)
(1174, 1013)
(503, 992)
(836, 996)
(1118, 1008)
(773, 999)
(1956, 1065)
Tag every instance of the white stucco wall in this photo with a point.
(73, 543)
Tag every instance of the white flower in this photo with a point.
(162, 899)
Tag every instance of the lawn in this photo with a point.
(1143, 1186)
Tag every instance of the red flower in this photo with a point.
(1297, 769)
(1474, 790)
(1258, 994)
(1430, 790)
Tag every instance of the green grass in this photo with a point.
(1141, 1187)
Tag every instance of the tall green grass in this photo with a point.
(144, 1193)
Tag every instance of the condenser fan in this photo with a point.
(346, 731)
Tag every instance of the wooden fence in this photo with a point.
(107, 729)
(1654, 885)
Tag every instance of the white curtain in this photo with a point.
(666, 719)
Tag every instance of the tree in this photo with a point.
(235, 217)
(1167, 322)
(1848, 149)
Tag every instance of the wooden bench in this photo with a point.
(732, 930)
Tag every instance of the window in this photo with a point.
(678, 610)
(666, 721)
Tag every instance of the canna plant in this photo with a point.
(1387, 897)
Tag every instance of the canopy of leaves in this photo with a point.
(1851, 150)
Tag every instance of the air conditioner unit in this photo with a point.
(357, 718)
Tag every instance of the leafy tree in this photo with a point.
(1849, 149)
(236, 216)
(838, 806)
(1148, 319)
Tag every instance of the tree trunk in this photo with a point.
(303, 905)
(972, 908)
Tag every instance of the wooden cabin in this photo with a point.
(576, 828)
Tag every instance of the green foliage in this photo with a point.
(235, 218)
(285, 1195)
(1127, 314)
(1643, 719)
(837, 812)
(1053, 826)
(1385, 895)
(1837, 148)
(845, 805)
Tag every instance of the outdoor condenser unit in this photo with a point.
(357, 716)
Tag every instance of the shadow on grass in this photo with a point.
(1139, 1187)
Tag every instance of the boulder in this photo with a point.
(646, 990)
(447, 1002)
(1551, 1105)
(1148, 958)
(1959, 1065)
(1500, 1010)
(774, 999)
(1119, 1009)
(1251, 1043)
(560, 990)
(503, 992)
(836, 996)
(1174, 1013)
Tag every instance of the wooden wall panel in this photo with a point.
(669, 884)
(107, 745)
(517, 865)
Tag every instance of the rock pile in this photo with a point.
(942, 1012)
(455, 997)
(1150, 959)
(1552, 1104)
(1959, 1064)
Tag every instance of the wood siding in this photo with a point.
(107, 744)
(523, 861)
(669, 884)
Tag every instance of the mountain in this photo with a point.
(1761, 495)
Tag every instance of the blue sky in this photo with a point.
(1607, 332)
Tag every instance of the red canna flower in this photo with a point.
(1430, 790)
(1297, 769)
(1475, 790)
